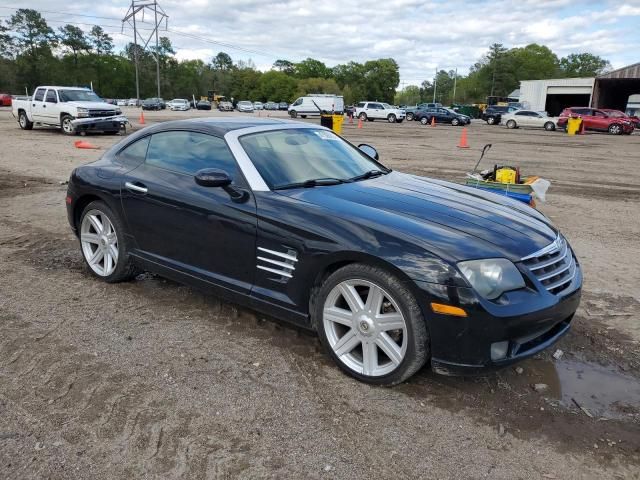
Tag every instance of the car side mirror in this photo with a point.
(369, 150)
(212, 177)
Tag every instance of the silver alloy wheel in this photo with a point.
(615, 129)
(391, 118)
(23, 119)
(99, 243)
(67, 126)
(365, 327)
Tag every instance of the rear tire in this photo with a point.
(549, 126)
(67, 126)
(24, 121)
(511, 124)
(356, 333)
(293, 114)
(362, 116)
(101, 232)
(491, 120)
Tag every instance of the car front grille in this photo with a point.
(101, 113)
(554, 266)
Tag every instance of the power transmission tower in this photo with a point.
(138, 8)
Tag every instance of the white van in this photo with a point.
(314, 103)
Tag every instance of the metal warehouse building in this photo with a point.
(610, 90)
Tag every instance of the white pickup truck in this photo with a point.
(75, 110)
(379, 110)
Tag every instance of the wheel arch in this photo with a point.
(85, 199)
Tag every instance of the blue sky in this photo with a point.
(420, 35)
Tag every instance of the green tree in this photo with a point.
(583, 65)
(222, 61)
(317, 85)
(74, 41)
(276, 86)
(410, 95)
(311, 68)
(285, 66)
(381, 79)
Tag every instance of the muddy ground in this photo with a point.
(150, 379)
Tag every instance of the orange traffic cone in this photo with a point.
(359, 123)
(83, 144)
(463, 139)
(141, 121)
(433, 121)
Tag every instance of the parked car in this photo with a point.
(493, 114)
(121, 103)
(271, 106)
(314, 104)
(411, 111)
(225, 106)
(5, 100)
(283, 106)
(151, 104)
(634, 119)
(133, 102)
(163, 104)
(378, 110)
(258, 106)
(179, 104)
(529, 118)
(293, 221)
(597, 120)
(203, 105)
(245, 106)
(67, 108)
(441, 115)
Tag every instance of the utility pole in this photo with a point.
(140, 7)
(435, 85)
(455, 80)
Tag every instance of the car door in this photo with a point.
(587, 117)
(50, 110)
(376, 109)
(201, 231)
(37, 102)
(523, 118)
(443, 116)
(600, 120)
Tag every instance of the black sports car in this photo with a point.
(392, 270)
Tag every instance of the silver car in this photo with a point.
(245, 106)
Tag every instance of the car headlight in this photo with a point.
(118, 111)
(492, 277)
(82, 112)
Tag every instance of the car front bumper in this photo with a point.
(463, 345)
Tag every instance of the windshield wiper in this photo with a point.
(314, 182)
(369, 174)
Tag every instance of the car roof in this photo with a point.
(218, 126)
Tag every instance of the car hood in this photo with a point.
(453, 221)
(93, 105)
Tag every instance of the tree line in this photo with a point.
(32, 53)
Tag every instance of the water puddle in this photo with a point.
(599, 391)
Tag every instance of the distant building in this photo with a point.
(618, 89)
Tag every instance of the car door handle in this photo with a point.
(135, 188)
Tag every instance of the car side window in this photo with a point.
(188, 152)
(51, 97)
(134, 154)
(39, 95)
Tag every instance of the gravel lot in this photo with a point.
(151, 379)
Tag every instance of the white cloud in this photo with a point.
(421, 35)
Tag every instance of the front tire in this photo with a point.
(391, 118)
(615, 129)
(424, 120)
(104, 247)
(67, 126)
(491, 120)
(293, 114)
(362, 116)
(549, 126)
(455, 122)
(371, 324)
(24, 121)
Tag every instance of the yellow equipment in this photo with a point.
(506, 175)
(573, 125)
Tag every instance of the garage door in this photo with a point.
(569, 90)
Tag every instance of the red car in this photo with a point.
(5, 100)
(620, 114)
(598, 120)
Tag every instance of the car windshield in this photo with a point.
(291, 157)
(78, 96)
(386, 106)
(244, 103)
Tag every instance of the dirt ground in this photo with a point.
(150, 379)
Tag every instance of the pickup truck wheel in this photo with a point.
(371, 324)
(455, 122)
(293, 114)
(491, 120)
(24, 122)
(615, 129)
(303, 116)
(362, 116)
(549, 126)
(409, 116)
(424, 120)
(511, 124)
(67, 126)
(391, 118)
